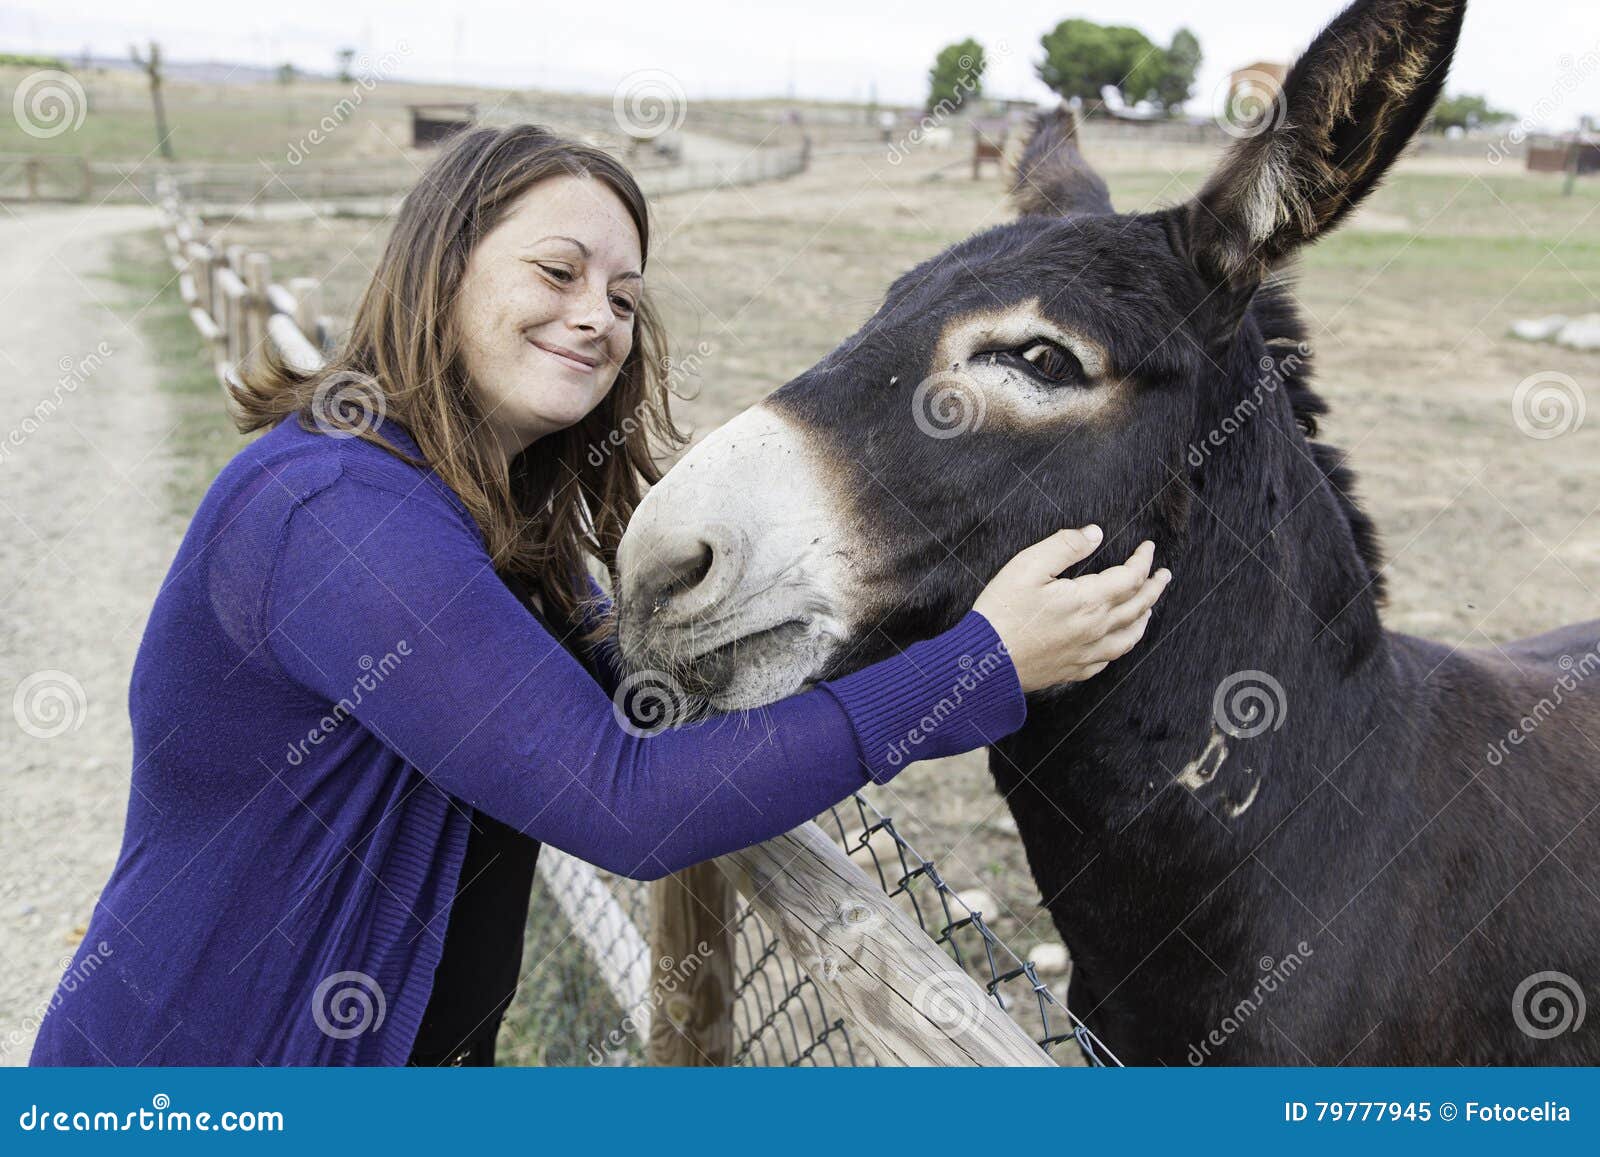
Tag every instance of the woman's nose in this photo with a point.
(594, 315)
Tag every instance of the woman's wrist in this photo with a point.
(952, 693)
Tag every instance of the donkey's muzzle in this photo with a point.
(679, 574)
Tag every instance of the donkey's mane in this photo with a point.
(1283, 330)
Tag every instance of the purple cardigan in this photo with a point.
(331, 674)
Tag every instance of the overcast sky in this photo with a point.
(1526, 55)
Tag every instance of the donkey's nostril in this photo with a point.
(685, 572)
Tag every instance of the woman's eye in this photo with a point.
(560, 274)
(622, 304)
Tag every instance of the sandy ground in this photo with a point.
(85, 544)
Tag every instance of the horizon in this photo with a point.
(1538, 60)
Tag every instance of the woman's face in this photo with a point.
(546, 308)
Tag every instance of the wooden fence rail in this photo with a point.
(895, 986)
(234, 303)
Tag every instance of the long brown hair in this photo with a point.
(569, 495)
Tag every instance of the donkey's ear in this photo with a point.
(1052, 178)
(1346, 111)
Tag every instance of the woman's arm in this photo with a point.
(485, 703)
(595, 607)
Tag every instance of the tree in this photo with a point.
(151, 63)
(344, 56)
(956, 75)
(1464, 111)
(287, 73)
(1182, 63)
(1082, 58)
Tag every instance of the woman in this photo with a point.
(376, 677)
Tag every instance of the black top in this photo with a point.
(482, 957)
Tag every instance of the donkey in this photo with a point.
(1275, 832)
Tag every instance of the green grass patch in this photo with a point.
(205, 438)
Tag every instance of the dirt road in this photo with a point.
(87, 536)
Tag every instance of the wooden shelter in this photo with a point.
(432, 123)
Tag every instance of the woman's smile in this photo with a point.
(568, 357)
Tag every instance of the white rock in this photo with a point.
(978, 900)
(1049, 959)
(1539, 329)
(1581, 333)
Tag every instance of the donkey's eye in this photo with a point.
(1042, 359)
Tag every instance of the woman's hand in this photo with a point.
(1060, 630)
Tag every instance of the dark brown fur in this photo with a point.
(1387, 844)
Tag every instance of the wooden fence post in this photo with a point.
(230, 295)
(199, 258)
(692, 967)
(308, 305)
(257, 279)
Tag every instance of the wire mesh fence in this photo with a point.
(585, 993)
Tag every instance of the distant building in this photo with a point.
(1577, 153)
(432, 123)
(1263, 79)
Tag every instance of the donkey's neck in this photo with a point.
(1264, 669)
(1269, 633)
(1143, 795)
